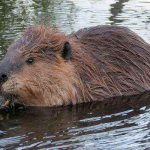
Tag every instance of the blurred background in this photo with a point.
(83, 127)
(71, 15)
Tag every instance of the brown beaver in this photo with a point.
(48, 68)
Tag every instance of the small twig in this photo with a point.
(6, 104)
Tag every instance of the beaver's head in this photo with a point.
(38, 70)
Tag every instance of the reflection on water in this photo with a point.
(86, 126)
(80, 127)
(116, 9)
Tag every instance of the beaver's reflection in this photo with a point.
(57, 124)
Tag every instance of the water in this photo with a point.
(82, 127)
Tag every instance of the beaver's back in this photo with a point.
(121, 56)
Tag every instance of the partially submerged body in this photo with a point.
(46, 68)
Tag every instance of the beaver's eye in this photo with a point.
(30, 61)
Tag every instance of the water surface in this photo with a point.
(85, 126)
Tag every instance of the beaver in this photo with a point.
(48, 68)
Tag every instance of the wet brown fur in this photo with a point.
(107, 61)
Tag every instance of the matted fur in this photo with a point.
(106, 62)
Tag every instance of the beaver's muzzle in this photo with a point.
(7, 99)
(4, 70)
(3, 78)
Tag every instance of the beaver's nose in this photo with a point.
(3, 77)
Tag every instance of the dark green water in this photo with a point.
(86, 126)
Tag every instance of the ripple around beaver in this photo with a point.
(73, 129)
(72, 126)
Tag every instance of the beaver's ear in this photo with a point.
(66, 51)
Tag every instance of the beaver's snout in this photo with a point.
(3, 77)
(3, 73)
